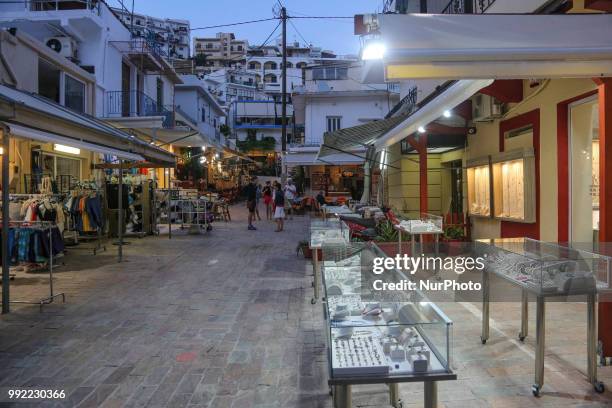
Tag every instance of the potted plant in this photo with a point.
(387, 237)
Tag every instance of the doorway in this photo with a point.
(126, 87)
(584, 171)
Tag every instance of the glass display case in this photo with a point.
(426, 224)
(479, 187)
(546, 268)
(514, 185)
(387, 338)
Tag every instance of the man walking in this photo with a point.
(251, 197)
(290, 193)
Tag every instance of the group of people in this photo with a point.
(278, 201)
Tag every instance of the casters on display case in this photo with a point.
(483, 340)
(599, 387)
(521, 338)
(535, 390)
(313, 301)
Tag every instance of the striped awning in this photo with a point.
(357, 137)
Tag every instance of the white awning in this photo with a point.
(310, 159)
(48, 137)
(432, 110)
(476, 46)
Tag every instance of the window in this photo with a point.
(49, 80)
(74, 94)
(62, 166)
(203, 114)
(333, 123)
(240, 48)
(209, 46)
(332, 73)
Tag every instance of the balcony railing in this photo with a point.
(120, 104)
(467, 6)
(61, 5)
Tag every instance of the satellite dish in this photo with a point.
(55, 45)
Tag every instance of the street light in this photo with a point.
(373, 51)
(447, 113)
(421, 129)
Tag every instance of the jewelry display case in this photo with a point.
(514, 185)
(426, 224)
(402, 337)
(545, 270)
(479, 187)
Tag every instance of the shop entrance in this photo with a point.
(584, 171)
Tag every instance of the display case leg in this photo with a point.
(394, 396)
(592, 343)
(431, 394)
(485, 307)
(342, 396)
(399, 241)
(413, 246)
(524, 315)
(540, 340)
(315, 265)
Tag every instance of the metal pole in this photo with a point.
(540, 339)
(5, 221)
(431, 394)
(394, 395)
(592, 338)
(524, 315)
(120, 227)
(169, 203)
(284, 96)
(485, 307)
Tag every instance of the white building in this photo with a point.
(229, 85)
(200, 107)
(221, 51)
(172, 35)
(266, 64)
(134, 83)
(259, 120)
(330, 100)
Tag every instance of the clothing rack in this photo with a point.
(51, 298)
(88, 187)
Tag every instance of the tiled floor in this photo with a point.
(225, 320)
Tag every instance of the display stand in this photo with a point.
(381, 341)
(99, 246)
(335, 210)
(546, 270)
(51, 298)
(194, 214)
(320, 231)
(427, 225)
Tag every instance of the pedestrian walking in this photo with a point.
(251, 197)
(258, 195)
(279, 204)
(290, 194)
(267, 198)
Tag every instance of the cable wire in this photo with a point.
(234, 24)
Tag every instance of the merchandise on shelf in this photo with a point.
(479, 190)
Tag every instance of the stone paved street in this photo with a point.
(225, 320)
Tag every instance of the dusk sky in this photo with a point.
(336, 35)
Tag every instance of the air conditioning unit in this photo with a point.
(486, 108)
(64, 46)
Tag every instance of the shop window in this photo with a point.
(514, 185)
(74, 94)
(49, 78)
(334, 123)
(61, 166)
(584, 171)
(479, 187)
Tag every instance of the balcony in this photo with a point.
(58, 5)
(467, 6)
(135, 104)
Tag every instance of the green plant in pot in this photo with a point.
(453, 233)
(385, 232)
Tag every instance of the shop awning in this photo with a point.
(39, 118)
(387, 132)
(48, 137)
(431, 110)
(356, 137)
(335, 159)
(466, 46)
